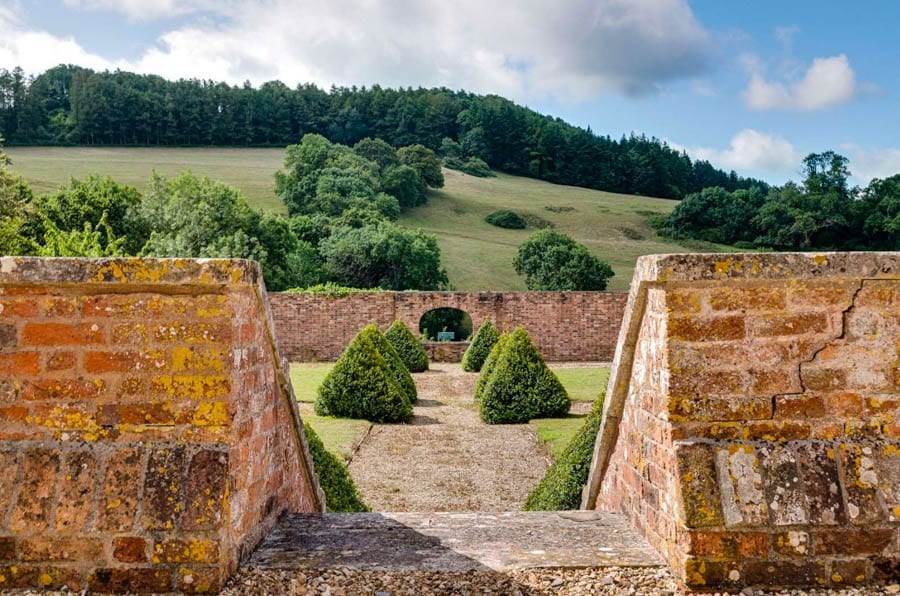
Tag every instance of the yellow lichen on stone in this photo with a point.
(212, 414)
(722, 267)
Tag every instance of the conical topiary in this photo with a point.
(362, 385)
(392, 358)
(481, 346)
(488, 365)
(411, 351)
(520, 386)
(338, 486)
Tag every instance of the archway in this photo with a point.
(445, 324)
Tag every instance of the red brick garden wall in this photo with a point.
(567, 326)
(752, 423)
(147, 437)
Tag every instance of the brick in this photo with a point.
(803, 406)
(774, 381)
(7, 548)
(195, 359)
(61, 334)
(141, 580)
(845, 404)
(58, 307)
(821, 483)
(742, 299)
(120, 490)
(190, 550)
(740, 482)
(782, 486)
(63, 389)
(18, 576)
(869, 541)
(707, 382)
(784, 573)
(155, 413)
(822, 293)
(20, 364)
(206, 493)
(793, 543)
(163, 486)
(18, 308)
(790, 324)
(130, 549)
(60, 548)
(727, 545)
(59, 361)
(207, 333)
(700, 492)
(719, 409)
(775, 431)
(823, 379)
(683, 300)
(701, 574)
(75, 505)
(200, 580)
(31, 513)
(858, 464)
(848, 573)
(14, 414)
(698, 329)
(8, 335)
(130, 334)
(886, 569)
(878, 294)
(123, 361)
(191, 386)
(9, 463)
(55, 578)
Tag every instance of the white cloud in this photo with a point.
(827, 82)
(866, 164)
(526, 50)
(752, 152)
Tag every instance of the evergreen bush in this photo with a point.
(506, 219)
(560, 488)
(488, 366)
(520, 386)
(481, 346)
(340, 491)
(410, 349)
(363, 385)
(393, 361)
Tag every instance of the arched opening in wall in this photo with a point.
(445, 324)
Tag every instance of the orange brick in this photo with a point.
(13, 414)
(774, 381)
(55, 306)
(800, 406)
(60, 548)
(823, 379)
(186, 551)
(822, 293)
(798, 324)
(192, 333)
(130, 549)
(25, 308)
(130, 333)
(59, 361)
(20, 363)
(706, 329)
(126, 361)
(845, 404)
(742, 299)
(131, 579)
(879, 294)
(63, 389)
(762, 430)
(683, 300)
(136, 414)
(61, 334)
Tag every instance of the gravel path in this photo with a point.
(447, 459)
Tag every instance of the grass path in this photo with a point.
(447, 459)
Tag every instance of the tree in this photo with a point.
(425, 162)
(14, 196)
(379, 151)
(826, 172)
(404, 183)
(553, 261)
(880, 208)
(408, 347)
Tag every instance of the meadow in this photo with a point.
(477, 255)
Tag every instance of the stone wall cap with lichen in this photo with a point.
(60, 270)
(695, 267)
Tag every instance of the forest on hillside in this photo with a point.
(70, 105)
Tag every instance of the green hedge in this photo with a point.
(363, 385)
(520, 386)
(481, 346)
(340, 491)
(393, 360)
(506, 219)
(560, 488)
(488, 366)
(410, 349)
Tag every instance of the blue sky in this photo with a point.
(752, 86)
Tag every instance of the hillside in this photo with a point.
(477, 255)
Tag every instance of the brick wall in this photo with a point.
(567, 326)
(147, 436)
(751, 425)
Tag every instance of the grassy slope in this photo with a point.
(477, 256)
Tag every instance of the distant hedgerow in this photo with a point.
(408, 347)
(338, 486)
(560, 488)
(520, 386)
(481, 346)
(362, 384)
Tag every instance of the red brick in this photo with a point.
(63, 389)
(75, 505)
(59, 307)
(727, 545)
(823, 379)
(784, 573)
(120, 491)
(778, 431)
(59, 361)
(14, 413)
(842, 405)
(870, 541)
(60, 548)
(791, 324)
(193, 333)
(188, 550)
(135, 414)
(774, 381)
(140, 580)
(31, 513)
(24, 308)
(130, 549)
(61, 334)
(123, 361)
(800, 406)
(20, 363)
(706, 329)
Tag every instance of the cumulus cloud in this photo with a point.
(827, 82)
(866, 164)
(526, 49)
(750, 151)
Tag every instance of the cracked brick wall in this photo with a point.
(148, 438)
(567, 326)
(753, 419)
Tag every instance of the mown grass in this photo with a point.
(306, 378)
(556, 433)
(477, 255)
(583, 384)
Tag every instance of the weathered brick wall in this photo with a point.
(147, 439)
(752, 423)
(567, 326)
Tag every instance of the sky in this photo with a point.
(751, 86)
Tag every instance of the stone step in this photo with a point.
(454, 542)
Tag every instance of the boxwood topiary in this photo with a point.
(506, 219)
(488, 366)
(481, 346)
(560, 488)
(520, 386)
(363, 385)
(393, 361)
(411, 351)
(340, 491)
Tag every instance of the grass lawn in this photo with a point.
(306, 378)
(583, 384)
(557, 432)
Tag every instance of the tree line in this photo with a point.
(73, 105)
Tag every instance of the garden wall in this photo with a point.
(148, 434)
(752, 420)
(567, 326)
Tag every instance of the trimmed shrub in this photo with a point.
(488, 366)
(363, 385)
(340, 491)
(506, 219)
(393, 361)
(481, 346)
(560, 488)
(408, 347)
(520, 386)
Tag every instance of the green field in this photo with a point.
(477, 255)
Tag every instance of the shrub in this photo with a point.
(408, 347)
(520, 386)
(481, 346)
(362, 385)
(393, 361)
(560, 488)
(473, 166)
(506, 219)
(340, 491)
(488, 366)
